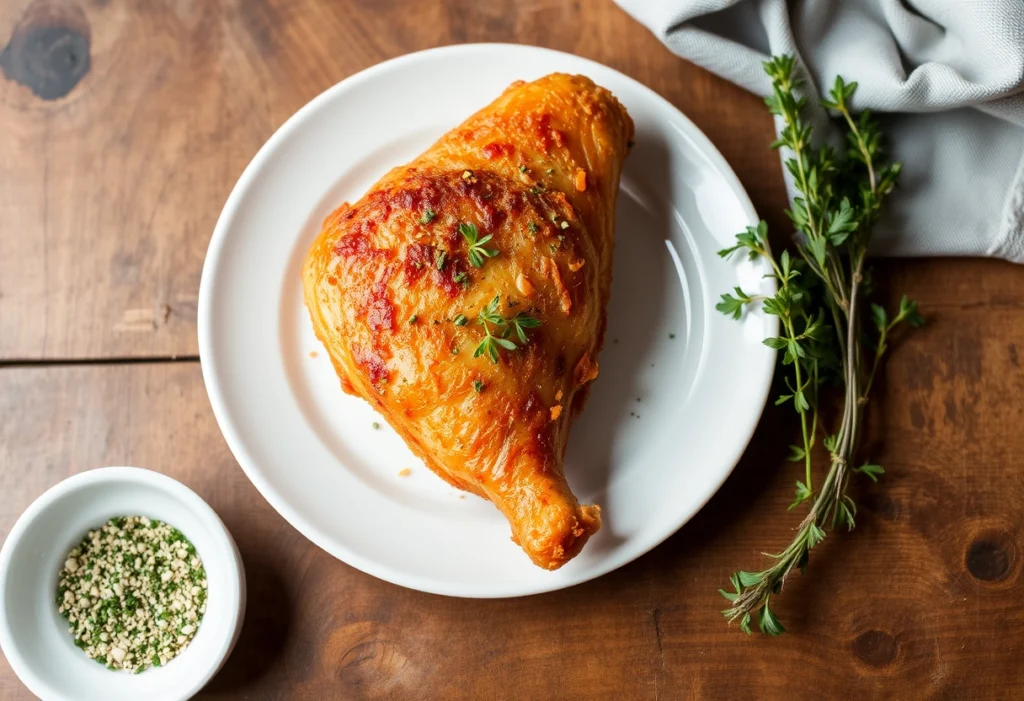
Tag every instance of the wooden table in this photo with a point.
(115, 160)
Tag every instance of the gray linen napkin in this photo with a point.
(948, 73)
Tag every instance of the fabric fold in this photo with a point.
(947, 80)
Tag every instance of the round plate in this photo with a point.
(681, 386)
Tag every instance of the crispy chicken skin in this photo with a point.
(394, 296)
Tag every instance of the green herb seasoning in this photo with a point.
(477, 252)
(825, 331)
(133, 593)
(488, 317)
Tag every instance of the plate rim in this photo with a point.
(232, 434)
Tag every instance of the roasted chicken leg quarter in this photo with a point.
(464, 297)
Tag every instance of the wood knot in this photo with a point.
(876, 648)
(49, 49)
(989, 558)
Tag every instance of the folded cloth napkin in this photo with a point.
(949, 74)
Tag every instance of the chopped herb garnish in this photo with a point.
(461, 278)
(477, 252)
(552, 247)
(413, 318)
(460, 320)
(428, 216)
(490, 313)
(522, 321)
(533, 227)
(376, 426)
(418, 264)
(490, 344)
(534, 190)
(489, 316)
(523, 169)
(440, 257)
(478, 386)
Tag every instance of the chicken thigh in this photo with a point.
(464, 297)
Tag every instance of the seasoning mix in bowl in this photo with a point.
(126, 568)
(133, 593)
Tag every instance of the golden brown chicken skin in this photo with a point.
(464, 297)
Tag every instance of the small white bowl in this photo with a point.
(34, 636)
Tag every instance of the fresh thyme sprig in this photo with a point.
(477, 252)
(520, 322)
(819, 304)
(489, 316)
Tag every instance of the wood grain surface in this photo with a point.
(123, 126)
(110, 192)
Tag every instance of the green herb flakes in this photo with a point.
(133, 593)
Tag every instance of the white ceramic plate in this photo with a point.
(681, 386)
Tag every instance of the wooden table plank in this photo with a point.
(109, 194)
(920, 602)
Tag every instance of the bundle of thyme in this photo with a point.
(820, 304)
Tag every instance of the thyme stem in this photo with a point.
(832, 243)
